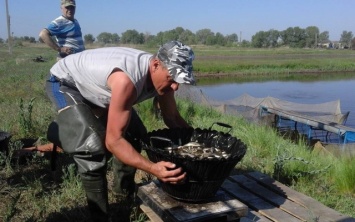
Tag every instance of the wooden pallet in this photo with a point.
(267, 199)
(270, 200)
(158, 206)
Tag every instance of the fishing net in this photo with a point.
(251, 108)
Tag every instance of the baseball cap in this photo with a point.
(68, 3)
(178, 58)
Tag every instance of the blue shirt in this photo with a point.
(68, 33)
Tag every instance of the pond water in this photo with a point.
(309, 92)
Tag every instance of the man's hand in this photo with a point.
(168, 173)
(66, 50)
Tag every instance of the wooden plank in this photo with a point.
(317, 210)
(261, 206)
(150, 198)
(255, 217)
(150, 213)
(223, 206)
(322, 124)
(153, 217)
(273, 197)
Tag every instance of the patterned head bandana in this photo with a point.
(178, 59)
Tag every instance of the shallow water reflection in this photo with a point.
(310, 92)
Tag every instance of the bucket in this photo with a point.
(4, 141)
(204, 175)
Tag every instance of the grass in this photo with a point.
(273, 65)
(217, 61)
(343, 175)
(31, 191)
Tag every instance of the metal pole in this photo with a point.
(9, 39)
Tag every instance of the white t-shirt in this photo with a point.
(90, 69)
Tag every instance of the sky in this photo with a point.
(242, 17)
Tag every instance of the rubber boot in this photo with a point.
(123, 175)
(123, 179)
(97, 197)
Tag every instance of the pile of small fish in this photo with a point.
(195, 150)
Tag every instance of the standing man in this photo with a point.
(94, 92)
(69, 40)
(66, 30)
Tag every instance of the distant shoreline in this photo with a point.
(240, 74)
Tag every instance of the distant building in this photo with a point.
(331, 45)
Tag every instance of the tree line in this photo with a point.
(203, 37)
(294, 37)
